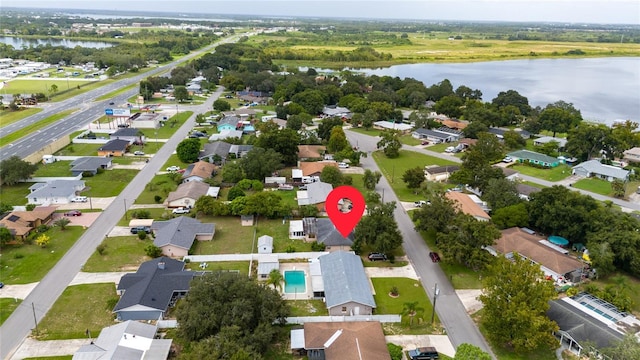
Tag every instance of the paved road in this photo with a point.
(20, 323)
(452, 313)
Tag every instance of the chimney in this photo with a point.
(161, 265)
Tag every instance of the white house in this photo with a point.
(296, 230)
(54, 192)
(265, 244)
(594, 168)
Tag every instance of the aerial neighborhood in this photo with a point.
(186, 212)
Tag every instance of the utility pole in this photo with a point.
(125, 209)
(35, 320)
(435, 298)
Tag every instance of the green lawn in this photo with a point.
(240, 266)
(25, 86)
(160, 185)
(79, 150)
(15, 194)
(110, 182)
(8, 139)
(58, 168)
(30, 263)
(308, 308)
(171, 126)
(409, 290)
(554, 174)
(122, 253)
(8, 117)
(393, 169)
(7, 306)
(598, 186)
(68, 357)
(154, 213)
(80, 307)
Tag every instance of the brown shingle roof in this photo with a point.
(310, 151)
(191, 189)
(467, 205)
(202, 169)
(315, 167)
(516, 240)
(358, 340)
(20, 222)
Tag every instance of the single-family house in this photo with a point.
(509, 173)
(311, 152)
(133, 136)
(314, 168)
(228, 123)
(453, 123)
(525, 191)
(455, 132)
(324, 232)
(594, 168)
(282, 124)
(390, 125)
(266, 264)
(199, 171)
(555, 265)
(239, 151)
(346, 286)
(316, 194)
(336, 111)
(499, 132)
(241, 114)
(21, 223)
(176, 236)
(296, 230)
(467, 205)
(216, 149)
(187, 194)
(562, 142)
(297, 175)
(148, 293)
(526, 156)
(226, 134)
(130, 340)
(89, 164)
(265, 244)
(434, 136)
(439, 173)
(54, 192)
(116, 147)
(354, 340)
(632, 155)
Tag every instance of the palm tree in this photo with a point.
(275, 279)
(411, 309)
(62, 223)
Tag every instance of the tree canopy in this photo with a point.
(378, 229)
(188, 150)
(14, 169)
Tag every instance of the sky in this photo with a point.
(564, 11)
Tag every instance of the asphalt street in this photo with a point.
(459, 326)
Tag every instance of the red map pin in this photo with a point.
(345, 222)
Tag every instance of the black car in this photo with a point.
(112, 103)
(137, 229)
(434, 256)
(424, 353)
(377, 256)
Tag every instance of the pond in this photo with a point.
(19, 43)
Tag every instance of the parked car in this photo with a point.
(302, 187)
(424, 353)
(420, 203)
(424, 143)
(377, 256)
(79, 199)
(173, 168)
(286, 187)
(137, 229)
(73, 213)
(342, 165)
(507, 159)
(434, 256)
(140, 153)
(123, 125)
(449, 149)
(180, 210)
(1, 284)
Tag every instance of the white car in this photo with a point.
(343, 165)
(139, 153)
(507, 159)
(450, 149)
(180, 210)
(173, 168)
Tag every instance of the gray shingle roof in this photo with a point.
(191, 189)
(117, 144)
(596, 167)
(90, 163)
(219, 148)
(345, 280)
(326, 232)
(56, 188)
(180, 231)
(434, 133)
(532, 155)
(316, 193)
(125, 132)
(229, 120)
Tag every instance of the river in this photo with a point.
(19, 43)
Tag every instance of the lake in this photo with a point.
(19, 43)
(603, 89)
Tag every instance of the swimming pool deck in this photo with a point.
(308, 294)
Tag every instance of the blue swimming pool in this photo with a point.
(294, 282)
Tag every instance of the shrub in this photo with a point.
(112, 302)
(30, 207)
(395, 351)
(142, 235)
(141, 214)
(101, 249)
(394, 291)
(42, 228)
(152, 251)
(157, 199)
(18, 256)
(290, 249)
(316, 246)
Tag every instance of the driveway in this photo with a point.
(17, 291)
(85, 220)
(410, 342)
(404, 271)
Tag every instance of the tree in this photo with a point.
(500, 193)
(43, 240)
(337, 140)
(512, 97)
(4, 207)
(5, 236)
(311, 100)
(371, 179)
(53, 89)
(332, 175)
(390, 144)
(470, 352)
(14, 169)
(602, 258)
(62, 223)
(476, 169)
(266, 203)
(395, 351)
(275, 279)
(618, 188)
(188, 150)
(474, 129)
(464, 241)
(259, 163)
(368, 118)
(435, 217)
(510, 216)
(180, 93)
(560, 117)
(515, 305)
(235, 192)
(411, 309)
(586, 140)
(450, 105)
(219, 303)
(414, 177)
(221, 105)
(626, 349)
(283, 141)
(325, 127)
(512, 140)
(232, 172)
(378, 229)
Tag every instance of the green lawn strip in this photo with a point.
(122, 253)
(409, 290)
(288, 197)
(9, 138)
(553, 174)
(241, 266)
(15, 194)
(367, 263)
(30, 263)
(125, 160)
(440, 147)
(80, 307)
(58, 168)
(631, 187)
(8, 117)
(393, 169)
(154, 213)
(308, 308)
(116, 92)
(68, 357)
(79, 150)
(358, 182)
(370, 132)
(160, 185)
(409, 140)
(7, 306)
(598, 186)
(506, 354)
(31, 86)
(110, 182)
(530, 183)
(170, 127)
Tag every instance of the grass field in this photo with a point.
(8, 117)
(8, 139)
(308, 308)
(110, 182)
(58, 168)
(171, 126)
(79, 150)
(7, 306)
(160, 185)
(405, 139)
(554, 174)
(598, 186)
(30, 263)
(15, 194)
(122, 253)
(393, 169)
(32, 86)
(80, 307)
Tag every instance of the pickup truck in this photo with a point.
(420, 203)
(180, 210)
